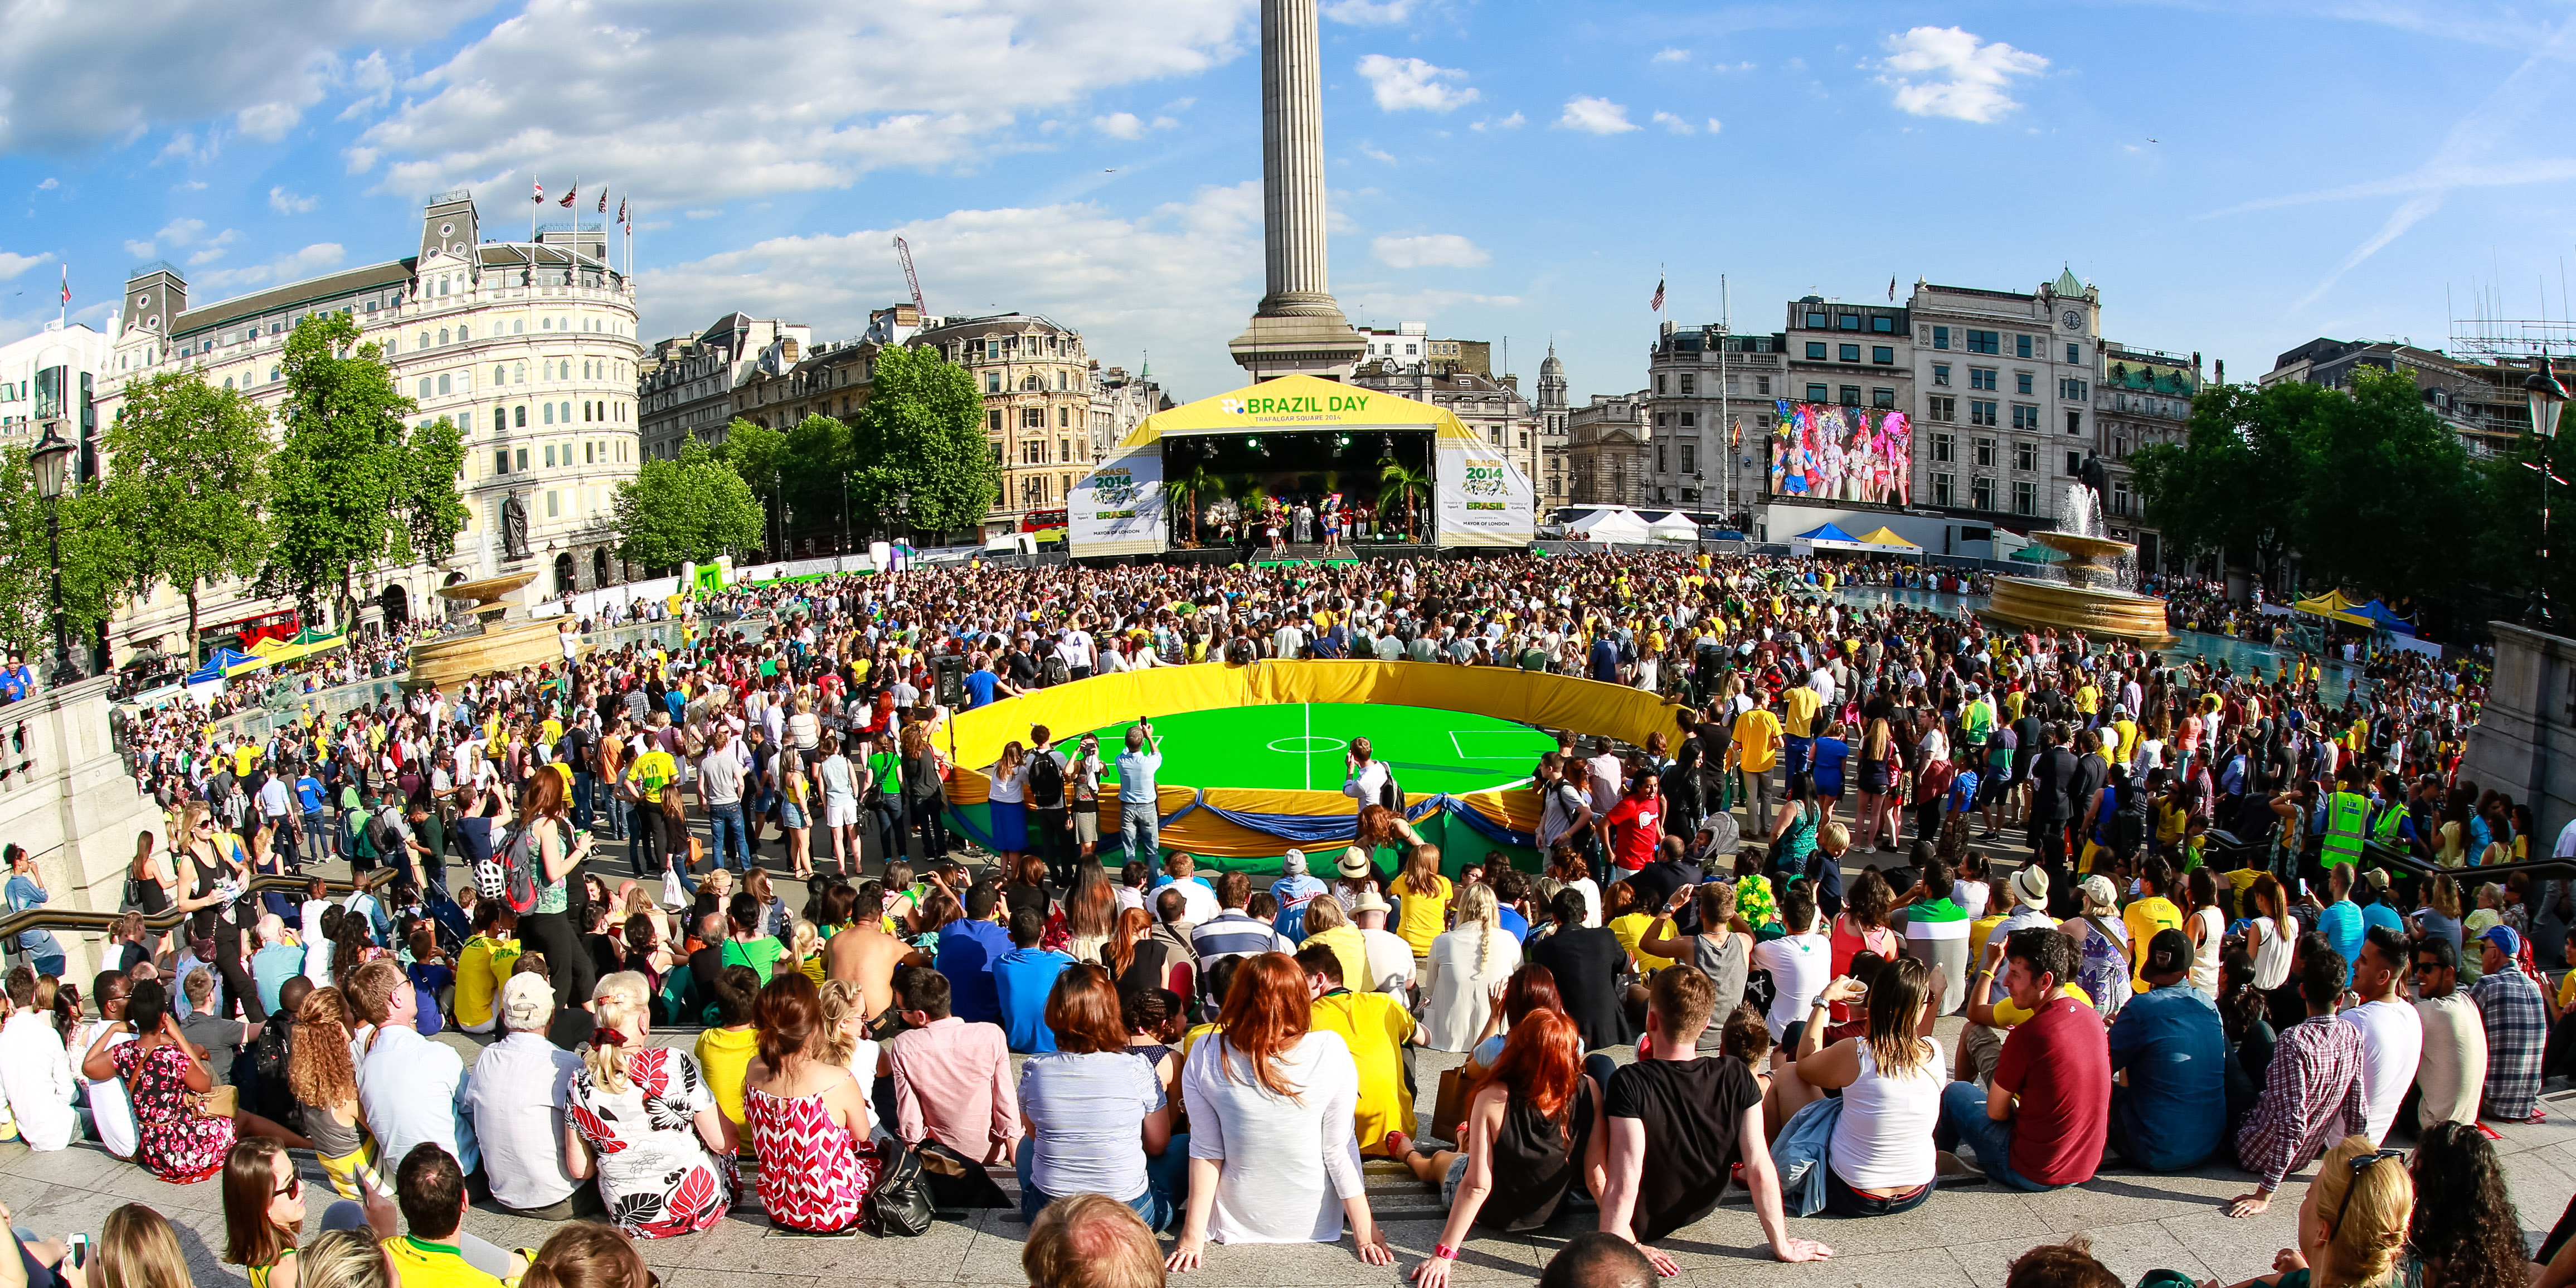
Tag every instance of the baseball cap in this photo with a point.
(2505, 938)
(526, 1002)
(2030, 885)
(2168, 952)
(1294, 862)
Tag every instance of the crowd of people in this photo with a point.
(2205, 957)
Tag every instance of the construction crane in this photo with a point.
(910, 278)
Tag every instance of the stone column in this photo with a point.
(1292, 162)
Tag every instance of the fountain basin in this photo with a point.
(498, 645)
(2098, 612)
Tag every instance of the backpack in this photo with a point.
(511, 871)
(1390, 795)
(1056, 672)
(1046, 781)
(899, 1203)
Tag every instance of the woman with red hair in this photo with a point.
(1531, 1134)
(1098, 1119)
(1273, 1156)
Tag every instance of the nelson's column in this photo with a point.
(1298, 328)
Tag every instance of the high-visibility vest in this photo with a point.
(2384, 829)
(2347, 816)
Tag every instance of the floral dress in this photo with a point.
(178, 1144)
(657, 1177)
(812, 1173)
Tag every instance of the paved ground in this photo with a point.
(1963, 1238)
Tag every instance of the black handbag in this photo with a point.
(898, 1206)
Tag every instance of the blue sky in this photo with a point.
(2237, 178)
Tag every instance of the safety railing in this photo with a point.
(69, 920)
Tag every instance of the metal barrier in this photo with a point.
(61, 919)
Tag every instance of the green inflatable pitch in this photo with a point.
(1302, 746)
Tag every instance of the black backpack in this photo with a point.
(1046, 781)
(898, 1205)
(1055, 671)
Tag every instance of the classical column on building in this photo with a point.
(1298, 328)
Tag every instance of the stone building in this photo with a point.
(1035, 378)
(1119, 400)
(2143, 397)
(2005, 383)
(686, 389)
(1492, 409)
(1710, 406)
(1608, 454)
(1551, 413)
(530, 347)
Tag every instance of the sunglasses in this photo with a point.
(2362, 1162)
(294, 1188)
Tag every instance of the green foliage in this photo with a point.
(353, 486)
(1196, 485)
(814, 456)
(921, 431)
(1406, 487)
(757, 453)
(686, 511)
(98, 560)
(188, 482)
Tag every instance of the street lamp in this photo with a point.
(51, 458)
(903, 510)
(2548, 399)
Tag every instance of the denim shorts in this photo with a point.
(791, 814)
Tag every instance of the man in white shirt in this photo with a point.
(35, 1070)
(1077, 651)
(1365, 777)
(2392, 1034)
(111, 1114)
(1390, 959)
(521, 1085)
(1605, 773)
(410, 1089)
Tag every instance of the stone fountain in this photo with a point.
(2087, 593)
(487, 641)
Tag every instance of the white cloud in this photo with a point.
(1430, 250)
(12, 265)
(1120, 125)
(703, 214)
(1370, 13)
(1675, 124)
(375, 76)
(1715, 125)
(1376, 153)
(1163, 281)
(213, 248)
(141, 249)
(316, 258)
(287, 203)
(1511, 122)
(1944, 71)
(1595, 116)
(621, 91)
(49, 185)
(74, 74)
(189, 185)
(1671, 56)
(180, 232)
(1402, 83)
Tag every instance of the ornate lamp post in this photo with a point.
(2548, 399)
(51, 458)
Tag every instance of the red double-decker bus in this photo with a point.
(280, 625)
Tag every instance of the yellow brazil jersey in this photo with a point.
(1801, 704)
(651, 772)
(418, 1263)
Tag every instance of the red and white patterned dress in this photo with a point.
(655, 1173)
(813, 1173)
(179, 1144)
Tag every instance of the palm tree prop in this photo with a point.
(1194, 484)
(1396, 483)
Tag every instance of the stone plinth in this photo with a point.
(2524, 743)
(68, 798)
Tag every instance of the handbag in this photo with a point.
(899, 1205)
(1449, 1111)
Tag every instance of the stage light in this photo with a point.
(1341, 440)
(1254, 443)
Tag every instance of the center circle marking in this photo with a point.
(1328, 744)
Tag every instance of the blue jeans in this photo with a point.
(1139, 834)
(316, 843)
(1843, 1200)
(1963, 1117)
(1167, 1179)
(725, 836)
(585, 793)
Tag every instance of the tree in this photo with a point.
(188, 481)
(1396, 484)
(2236, 485)
(2388, 489)
(352, 486)
(814, 461)
(757, 453)
(921, 432)
(97, 560)
(686, 511)
(1196, 485)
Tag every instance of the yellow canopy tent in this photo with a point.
(2334, 605)
(1887, 537)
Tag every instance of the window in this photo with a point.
(500, 375)
(1850, 395)
(1848, 322)
(550, 504)
(2025, 497)
(1033, 418)
(523, 459)
(424, 386)
(1816, 321)
(2074, 463)
(1882, 397)
(2021, 346)
(1063, 418)
(501, 461)
(993, 423)
(550, 413)
(1944, 447)
(2025, 416)
(1762, 386)
(2120, 496)
(2075, 422)
(1690, 383)
(550, 456)
(522, 416)
(1033, 452)
(2071, 389)
(500, 419)
(2074, 354)
(1659, 384)
(1883, 325)
(1882, 355)
(1981, 377)
(1940, 373)
(1817, 394)
(1690, 458)
(424, 338)
(1940, 337)
(1981, 411)
(1984, 342)
(2025, 457)
(1690, 419)
(588, 452)
(1662, 464)
(1942, 489)
(1662, 419)
(2021, 383)
(992, 382)
(1941, 407)
(1981, 493)
(1815, 351)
